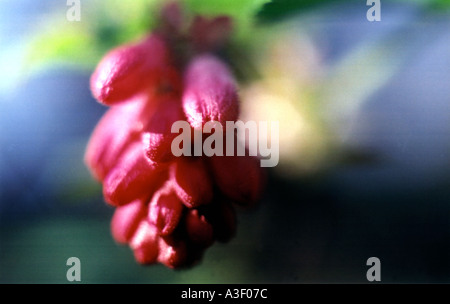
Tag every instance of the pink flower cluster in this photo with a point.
(169, 209)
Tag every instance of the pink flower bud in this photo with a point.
(120, 126)
(210, 92)
(165, 210)
(135, 176)
(238, 177)
(126, 220)
(157, 137)
(191, 181)
(145, 243)
(199, 230)
(128, 69)
(172, 252)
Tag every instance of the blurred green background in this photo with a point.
(364, 111)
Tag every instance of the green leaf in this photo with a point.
(230, 7)
(441, 5)
(63, 44)
(277, 10)
(103, 25)
(280, 9)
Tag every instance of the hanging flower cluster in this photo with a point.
(169, 209)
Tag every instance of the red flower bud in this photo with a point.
(172, 252)
(158, 135)
(145, 243)
(199, 230)
(133, 177)
(169, 210)
(126, 220)
(120, 126)
(165, 210)
(239, 177)
(191, 181)
(210, 92)
(129, 69)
